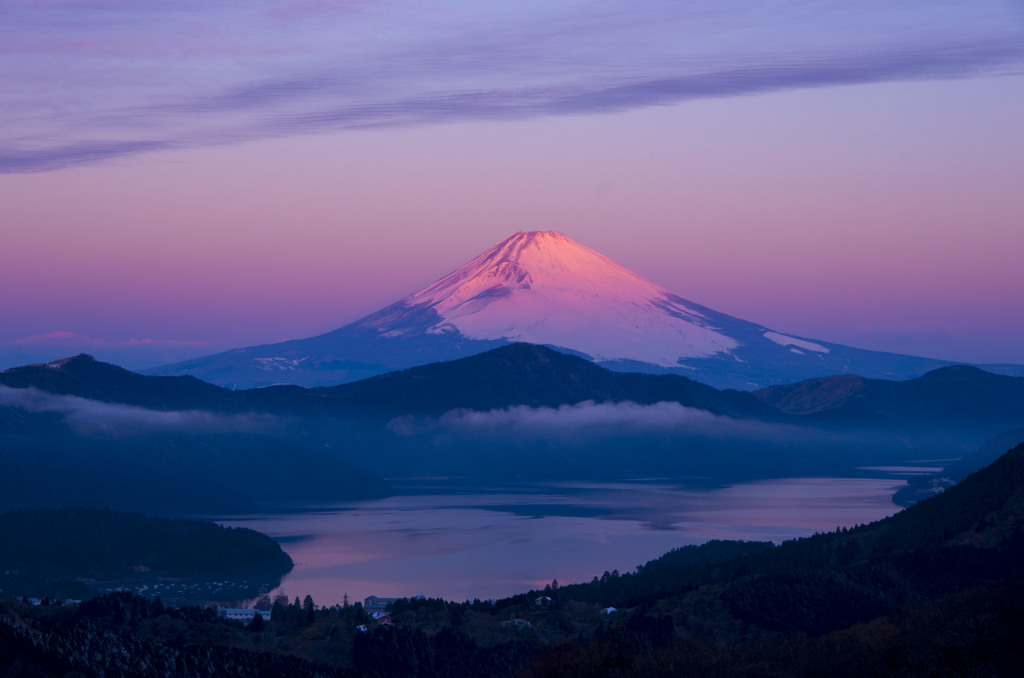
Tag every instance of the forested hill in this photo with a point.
(104, 544)
(949, 397)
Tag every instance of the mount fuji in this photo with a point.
(545, 288)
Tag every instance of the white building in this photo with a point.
(243, 614)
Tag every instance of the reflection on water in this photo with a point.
(492, 543)
(904, 470)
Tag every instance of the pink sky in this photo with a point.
(878, 211)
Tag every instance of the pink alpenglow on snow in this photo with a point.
(545, 288)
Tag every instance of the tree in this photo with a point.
(278, 612)
(256, 625)
(308, 607)
(456, 616)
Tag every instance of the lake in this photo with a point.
(493, 542)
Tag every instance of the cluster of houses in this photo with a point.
(376, 607)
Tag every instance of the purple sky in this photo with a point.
(179, 178)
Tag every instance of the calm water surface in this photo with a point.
(495, 542)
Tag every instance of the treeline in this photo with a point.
(972, 632)
(121, 634)
(978, 632)
(678, 571)
(124, 635)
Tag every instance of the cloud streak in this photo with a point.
(64, 338)
(93, 416)
(128, 79)
(591, 420)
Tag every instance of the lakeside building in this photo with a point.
(243, 614)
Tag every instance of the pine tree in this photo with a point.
(256, 625)
(308, 607)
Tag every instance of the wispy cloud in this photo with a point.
(87, 84)
(591, 420)
(93, 416)
(588, 414)
(62, 338)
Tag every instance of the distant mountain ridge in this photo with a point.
(516, 374)
(537, 376)
(545, 288)
(959, 393)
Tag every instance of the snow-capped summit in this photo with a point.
(543, 287)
